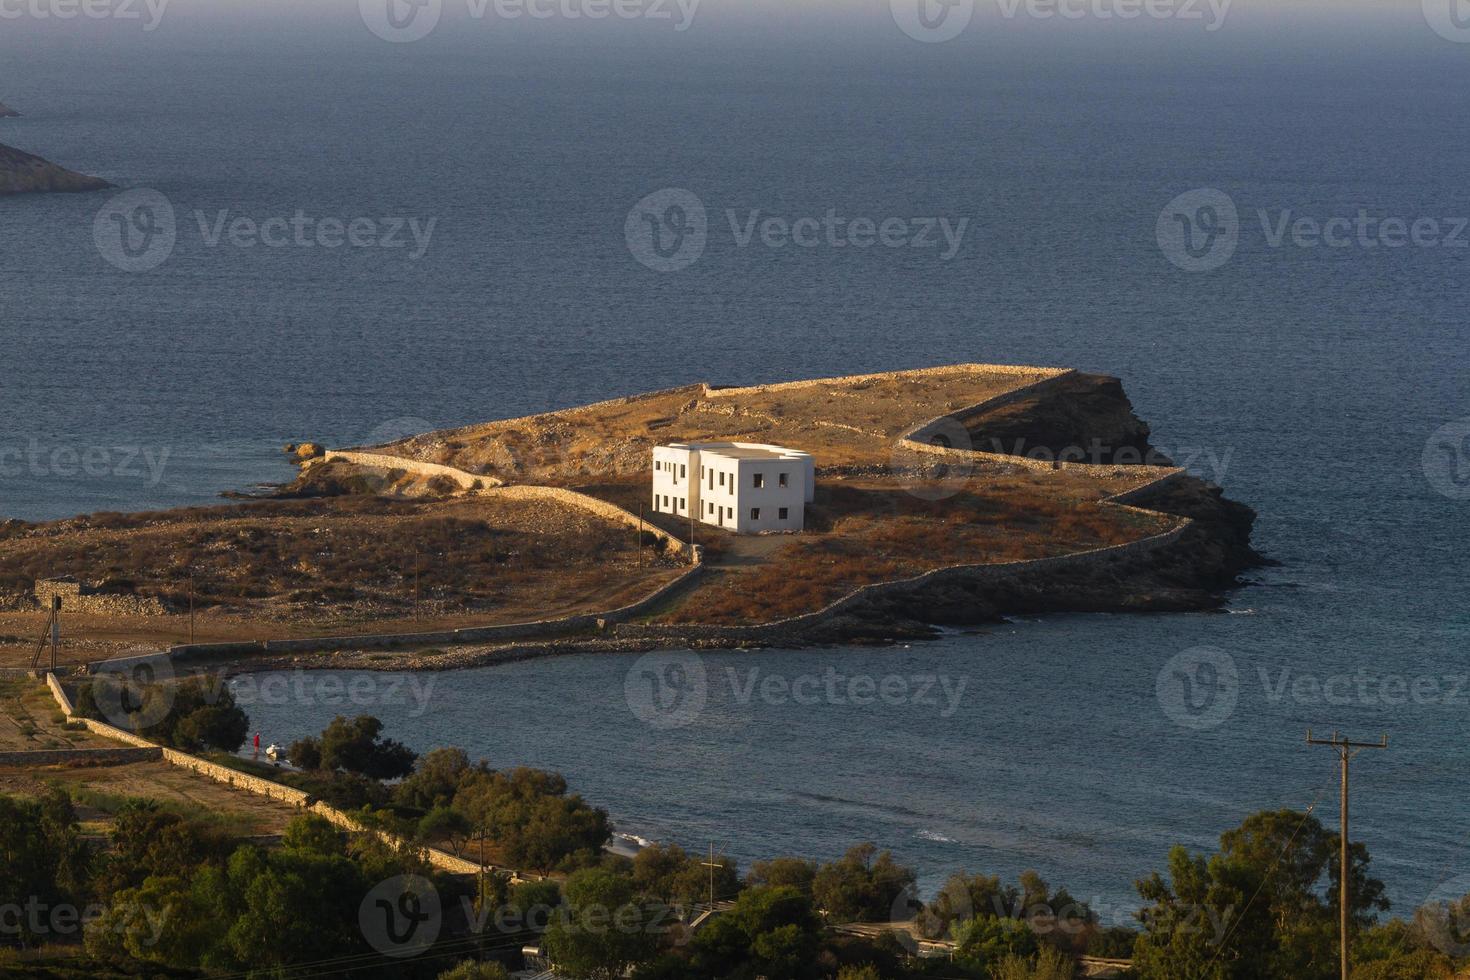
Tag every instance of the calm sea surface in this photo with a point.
(1306, 380)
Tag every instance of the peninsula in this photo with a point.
(943, 496)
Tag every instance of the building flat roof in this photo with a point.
(741, 450)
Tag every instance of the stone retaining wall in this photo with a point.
(235, 779)
(995, 572)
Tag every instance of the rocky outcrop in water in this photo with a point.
(6, 112)
(26, 173)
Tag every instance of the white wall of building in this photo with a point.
(746, 488)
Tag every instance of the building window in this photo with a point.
(755, 513)
(758, 480)
(782, 512)
(782, 480)
(683, 503)
(683, 469)
(666, 500)
(709, 508)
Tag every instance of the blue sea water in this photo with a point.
(1308, 381)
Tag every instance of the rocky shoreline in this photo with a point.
(1193, 573)
(26, 173)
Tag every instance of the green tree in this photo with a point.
(446, 824)
(984, 942)
(673, 876)
(772, 931)
(357, 746)
(42, 859)
(436, 779)
(796, 873)
(864, 884)
(605, 930)
(313, 834)
(1264, 906)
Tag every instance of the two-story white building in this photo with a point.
(745, 487)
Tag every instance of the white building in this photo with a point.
(742, 486)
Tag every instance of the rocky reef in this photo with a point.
(26, 173)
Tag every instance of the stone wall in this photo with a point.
(463, 479)
(76, 597)
(995, 572)
(941, 371)
(246, 782)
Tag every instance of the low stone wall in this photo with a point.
(463, 479)
(80, 757)
(78, 598)
(941, 371)
(996, 572)
(146, 750)
(600, 508)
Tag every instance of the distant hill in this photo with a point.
(25, 173)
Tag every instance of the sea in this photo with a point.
(337, 230)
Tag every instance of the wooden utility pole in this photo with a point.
(640, 534)
(191, 608)
(1346, 750)
(691, 534)
(50, 636)
(712, 865)
(416, 614)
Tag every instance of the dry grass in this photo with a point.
(346, 559)
(860, 535)
(843, 423)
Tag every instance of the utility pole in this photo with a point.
(691, 535)
(1346, 751)
(191, 608)
(712, 866)
(55, 629)
(640, 534)
(416, 614)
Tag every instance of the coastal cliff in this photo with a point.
(26, 173)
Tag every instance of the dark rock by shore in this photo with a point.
(6, 112)
(26, 173)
